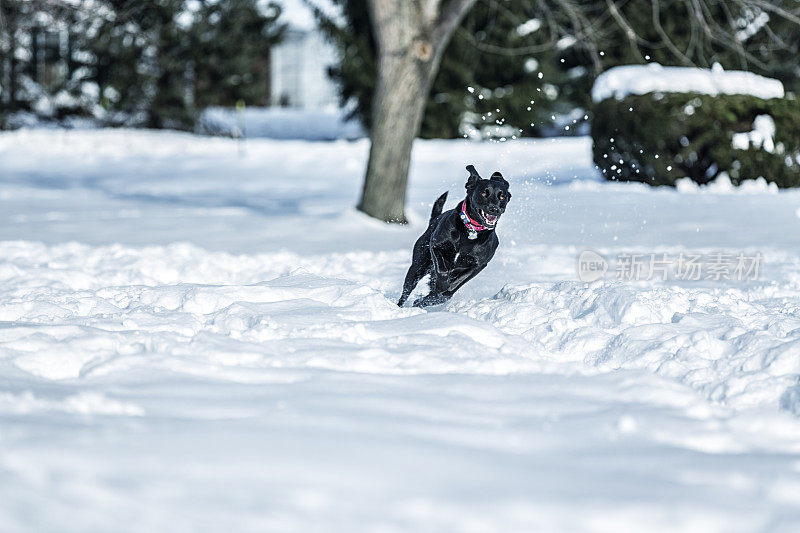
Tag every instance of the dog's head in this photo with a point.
(487, 198)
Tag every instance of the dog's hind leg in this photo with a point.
(420, 265)
(415, 273)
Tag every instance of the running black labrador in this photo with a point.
(458, 243)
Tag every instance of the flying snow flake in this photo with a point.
(529, 27)
(566, 42)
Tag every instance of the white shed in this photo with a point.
(299, 65)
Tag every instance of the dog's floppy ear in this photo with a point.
(472, 180)
(499, 177)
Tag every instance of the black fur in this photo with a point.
(445, 251)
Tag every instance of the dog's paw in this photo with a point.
(429, 300)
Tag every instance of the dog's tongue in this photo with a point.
(491, 218)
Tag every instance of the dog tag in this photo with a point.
(471, 233)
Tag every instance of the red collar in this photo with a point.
(473, 227)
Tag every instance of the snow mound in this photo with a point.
(84, 311)
(83, 403)
(619, 82)
(723, 185)
(737, 347)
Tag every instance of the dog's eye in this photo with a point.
(485, 193)
(501, 197)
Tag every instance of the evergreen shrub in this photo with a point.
(658, 138)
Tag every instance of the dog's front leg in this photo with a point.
(440, 279)
(431, 299)
(442, 271)
(462, 279)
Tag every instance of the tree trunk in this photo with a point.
(411, 37)
(398, 106)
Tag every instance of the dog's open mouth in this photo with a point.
(490, 220)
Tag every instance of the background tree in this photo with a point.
(499, 50)
(229, 40)
(187, 56)
(410, 38)
(19, 21)
(153, 63)
(11, 19)
(548, 52)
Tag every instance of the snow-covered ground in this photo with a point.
(282, 123)
(199, 334)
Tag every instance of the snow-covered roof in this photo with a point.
(300, 17)
(620, 82)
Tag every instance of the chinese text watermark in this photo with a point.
(682, 266)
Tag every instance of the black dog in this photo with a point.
(459, 243)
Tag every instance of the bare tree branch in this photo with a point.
(665, 38)
(769, 6)
(449, 19)
(633, 38)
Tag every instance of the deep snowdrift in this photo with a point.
(219, 347)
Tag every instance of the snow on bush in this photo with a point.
(762, 135)
(619, 82)
(662, 137)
